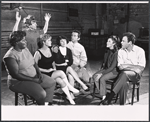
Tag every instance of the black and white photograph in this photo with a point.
(75, 60)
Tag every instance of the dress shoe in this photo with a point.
(87, 91)
(50, 103)
(104, 102)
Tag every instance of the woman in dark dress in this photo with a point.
(44, 58)
(109, 66)
(63, 60)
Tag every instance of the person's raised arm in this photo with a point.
(18, 18)
(47, 18)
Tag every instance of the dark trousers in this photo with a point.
(101, 83)
(121, 85)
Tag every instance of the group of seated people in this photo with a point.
(34, 66)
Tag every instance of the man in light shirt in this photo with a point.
(79, 57)
(131, 62)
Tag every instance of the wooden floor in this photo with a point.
(8, 98)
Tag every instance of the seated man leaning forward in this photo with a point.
(24, 75)
(79, 57)
(131, 62)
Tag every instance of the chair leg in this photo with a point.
(116, 98)
(25, 99)
(138, 94)
(16, 98)
(94, 91)
(133, 89)
(112, 86)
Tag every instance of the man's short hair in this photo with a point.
(76, 31)
(131, 37)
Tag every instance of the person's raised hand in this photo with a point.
(47, 16)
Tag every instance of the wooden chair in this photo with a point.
(110, 86)
(20, 96)
(24, 98)
(134, 86)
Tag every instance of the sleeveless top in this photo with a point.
(45, 62)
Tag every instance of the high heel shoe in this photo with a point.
(86, 91)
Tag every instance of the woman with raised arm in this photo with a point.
(32, 32)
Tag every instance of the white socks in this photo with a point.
(66, 91)
(71, 88)
(103, 97)
(46, 103)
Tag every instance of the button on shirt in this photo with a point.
(136, 56)
(78, 52)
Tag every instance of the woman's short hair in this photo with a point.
(131, 37)
(16, 36)
(42, 39)
(59, 38)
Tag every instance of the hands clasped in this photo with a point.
(37, 80)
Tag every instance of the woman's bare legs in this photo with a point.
(62, 75)
(59, 76)
(75, 76)
(71, 79)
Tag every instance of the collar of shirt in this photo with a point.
(133, 49)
